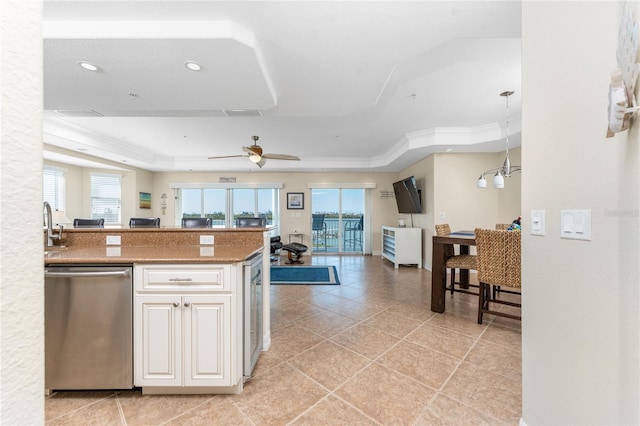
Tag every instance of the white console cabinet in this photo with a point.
(402, 246)
(187, 330)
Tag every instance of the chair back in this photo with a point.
(444, 229)
(88, 223)
(317, 222)
(251, 222)
(503, 226)
(144, 222)
(196, 222)
(499, 257)
(360, 224)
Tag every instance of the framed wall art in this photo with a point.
(295, 200)
(145, 200)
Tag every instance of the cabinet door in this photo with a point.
(207, 340)
(157, 343)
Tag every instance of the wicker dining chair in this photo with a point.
(460, 261)
(499, 264)
(504, 227)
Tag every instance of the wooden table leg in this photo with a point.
(438, 278)
(464, 273)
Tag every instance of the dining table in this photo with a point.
(464, 239)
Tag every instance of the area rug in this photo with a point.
(323, 275)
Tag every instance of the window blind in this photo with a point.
(105, 197)
(53, 187)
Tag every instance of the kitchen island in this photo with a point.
(194, 298)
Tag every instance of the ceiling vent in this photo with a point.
(242, 112)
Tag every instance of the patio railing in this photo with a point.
(329, 238)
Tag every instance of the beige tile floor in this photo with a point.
(367, 352)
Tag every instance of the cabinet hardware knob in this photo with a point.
(186, 304)
(176, 304)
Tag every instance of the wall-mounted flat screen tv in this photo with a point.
(407, 196)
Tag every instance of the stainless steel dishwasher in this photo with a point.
(88, 327)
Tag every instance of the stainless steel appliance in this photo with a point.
(252, 313)
(88, 327)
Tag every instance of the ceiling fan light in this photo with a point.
(255, 158)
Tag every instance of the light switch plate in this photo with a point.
(206, 239)
(575, 224)
(537, 223)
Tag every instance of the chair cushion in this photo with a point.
(295, 248)
(462, 261)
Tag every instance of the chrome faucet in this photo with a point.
(49, 224)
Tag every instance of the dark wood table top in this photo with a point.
(466, 238)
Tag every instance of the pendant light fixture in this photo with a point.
(507, 169)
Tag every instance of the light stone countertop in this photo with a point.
(151, 254)
(155, 245)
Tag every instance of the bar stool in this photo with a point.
(460, 261)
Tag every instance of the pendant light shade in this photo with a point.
(506, 169)
(498, 180)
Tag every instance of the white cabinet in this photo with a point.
(402, 246)
(187, 326)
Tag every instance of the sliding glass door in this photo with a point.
(337, 220)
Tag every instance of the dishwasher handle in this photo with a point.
(119, 273)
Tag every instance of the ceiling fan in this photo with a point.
(254, 153)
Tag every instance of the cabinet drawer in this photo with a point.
(182, 278)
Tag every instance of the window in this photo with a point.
(252, 202)
(105, 197)
(53, 185)
(198, 202)
(225, 205)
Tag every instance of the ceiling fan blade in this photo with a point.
(280, 157)
(226, 156)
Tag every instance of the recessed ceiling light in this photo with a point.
(449, 149)
(193, 66)
(88, 66)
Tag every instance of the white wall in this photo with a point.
(448, 181)
(384, 211)
(581, 316)
(21, 277)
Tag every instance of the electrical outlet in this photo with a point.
(113, 240)
(206, 239)
(113, 251)
(206, 251)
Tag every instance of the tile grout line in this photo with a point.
(75, 410)
(123, 419)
